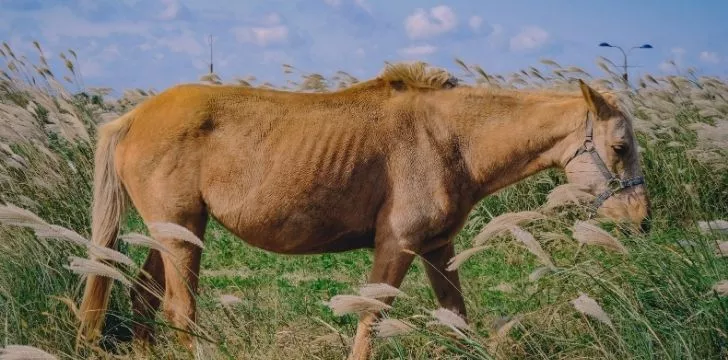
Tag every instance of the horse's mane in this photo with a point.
(416, 76)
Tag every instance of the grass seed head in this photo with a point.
(392, 327)
(588, 306)
(353, 304)
(590, 234)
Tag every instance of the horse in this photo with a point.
(394, 164)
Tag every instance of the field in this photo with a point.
(608, 295)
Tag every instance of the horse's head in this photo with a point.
(603, 156)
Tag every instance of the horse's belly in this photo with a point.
(302, 232)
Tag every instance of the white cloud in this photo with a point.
(709, 57)
(271, 31)
(271, 19)
(172, 10)
(58, 22)
(364, 5)
(262, 36)
(439, 20)
(475, 22)
(531, 37)
(418, 50)
(182, 43)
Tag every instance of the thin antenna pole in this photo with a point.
(211, 69)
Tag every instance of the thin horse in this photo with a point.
(394, 163)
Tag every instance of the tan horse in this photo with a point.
(395, 163)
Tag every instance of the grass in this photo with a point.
(657, 296)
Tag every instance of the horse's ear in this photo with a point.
(594, 101)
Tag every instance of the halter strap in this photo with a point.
(614, 182)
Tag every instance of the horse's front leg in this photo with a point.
(390, 266)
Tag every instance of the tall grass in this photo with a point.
(539, 281)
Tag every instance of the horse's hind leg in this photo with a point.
(146, 296)
(445, 284)
(179, 266)
(181, 272)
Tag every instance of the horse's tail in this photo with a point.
(109, 200)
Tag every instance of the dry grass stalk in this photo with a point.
(567, 194)
(503, 287)
(170, 230)
(450, 318)
(392, 327)
(227, 299)
(380, 290)
(502, 224)
(721, 287)
(353, 304)
(538, 273)
(590, 234)
(463, 256)
(145, 241)
(588, 306)
(532, 245)
(24, 352)
(15, 216)
(85, 267)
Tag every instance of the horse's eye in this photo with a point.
(619, 149)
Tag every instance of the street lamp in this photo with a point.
(624, 66)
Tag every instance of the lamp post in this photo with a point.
(624, 66)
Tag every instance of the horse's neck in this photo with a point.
(514, 137)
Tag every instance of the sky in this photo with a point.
(154, 44)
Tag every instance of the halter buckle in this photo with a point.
(615, 184)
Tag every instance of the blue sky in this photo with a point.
(158, 43)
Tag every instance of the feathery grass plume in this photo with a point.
(380, 290)
(567, 193)
(227, 299)
(463, 256)
(549, 236)
(527, 239)
(501, 224)
(104, 253)
(353, 304)
(588, 306)
(85, 267)
(501, 327)
(24, 352)
(714, 225)
(385, 328)
(449, 318)
(503, 287)
(590, 234)
(538, 273)
(550, 62)
(145, 241)
(171, 230)
(721, 287)
(15, 216)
